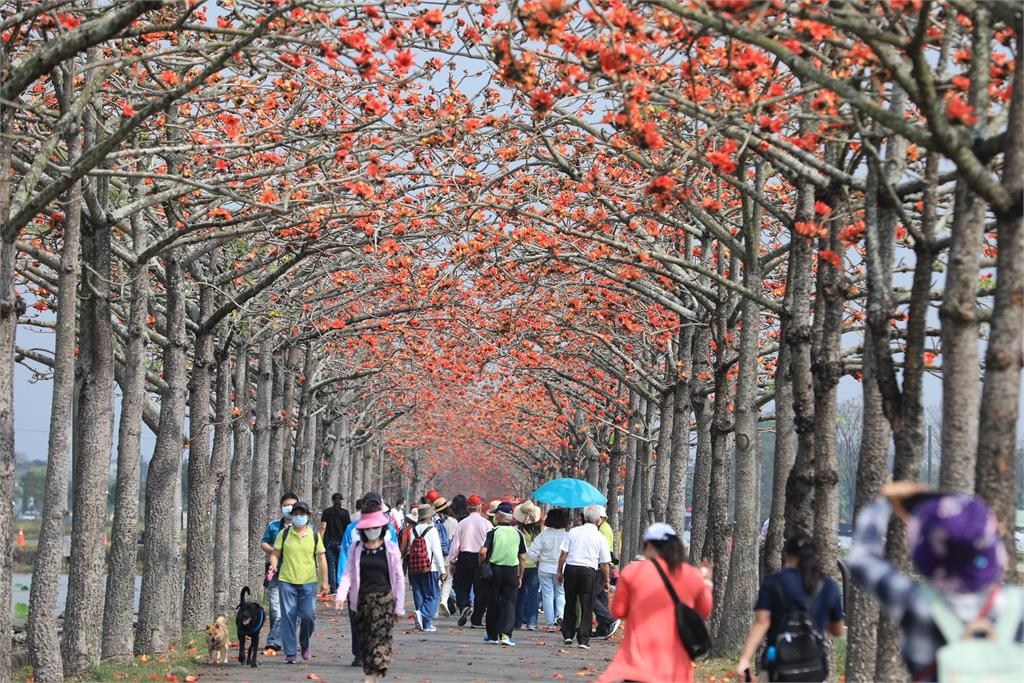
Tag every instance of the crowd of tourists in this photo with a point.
(507, 565)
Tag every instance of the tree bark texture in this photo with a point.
(197, 607)
(80, 645)
(223, 600)
(119, 608)
(43, 641)
(158, 627)
(1004, 357)
(241, 465)
(260, 466)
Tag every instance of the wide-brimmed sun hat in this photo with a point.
(492, 507)
(424, 512)
(372, 520)
(527, 513)
(441, 503)
(412, 515)
(954, 543)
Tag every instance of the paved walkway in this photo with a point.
(450, 654)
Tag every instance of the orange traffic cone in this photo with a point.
(21, 537)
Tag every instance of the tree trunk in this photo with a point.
(827, 369)
(1004, 357)
(198, 601)
(862, 610)
(161, 575)
(223, 600)
(345, 460)
(784, 457)
(703, 409)
(11, 306)
(119, 608)
(615, 455)
(80, 646)
(43, 642)
(741, 588)
(260, 466)
(289, 360)
(663, 453)
(799, 335)
(274, 467)
(681, 432)
(716, 542)
(241, 465)
(959, 310)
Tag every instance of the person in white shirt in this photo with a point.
(426, 586)
(546, 550)
(584, 553)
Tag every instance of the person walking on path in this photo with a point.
(460, 507)
(426, 569)
(373, 586)
(465, 564)
(800, 584)
(505, 551)
(584, 554)
(527, 515)
(446, 528)
(651, 649)
(545, 551)
(333, 522)
(273, 586)
(368, 504)
(955, 546)
(299, 554)
(607, 625)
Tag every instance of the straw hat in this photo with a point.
(527, 513)
(441, 503)
(492, 507)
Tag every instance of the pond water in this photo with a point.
(22, 584)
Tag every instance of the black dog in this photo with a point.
(248, 623)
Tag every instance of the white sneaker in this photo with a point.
(430, 629)
(419, 619)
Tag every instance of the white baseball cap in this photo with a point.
(659, 531)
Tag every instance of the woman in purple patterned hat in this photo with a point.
(955, 545)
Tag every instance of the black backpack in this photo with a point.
(799, 644)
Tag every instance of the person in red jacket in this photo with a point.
(651, 649)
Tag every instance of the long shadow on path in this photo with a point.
(450, 654)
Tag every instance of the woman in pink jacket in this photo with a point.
(374, 585)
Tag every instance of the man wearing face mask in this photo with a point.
(301, 556)
(273, 592)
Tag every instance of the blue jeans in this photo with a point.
(298, 603)
(274, 600)
(426, 593)
(553, 595)
(529, 599)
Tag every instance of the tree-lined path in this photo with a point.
(253, 246)
(451, 654)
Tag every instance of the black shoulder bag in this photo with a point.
(691, 627)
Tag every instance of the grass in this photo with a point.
(180, 665)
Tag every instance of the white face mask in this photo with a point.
(286, 510)
(373, 534)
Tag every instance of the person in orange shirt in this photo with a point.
(651, 649)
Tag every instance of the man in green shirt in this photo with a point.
(298, 553)
(505, 550)
(606, 625)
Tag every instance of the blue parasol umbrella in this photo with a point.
(570, 493)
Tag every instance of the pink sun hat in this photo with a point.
(373, 520)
